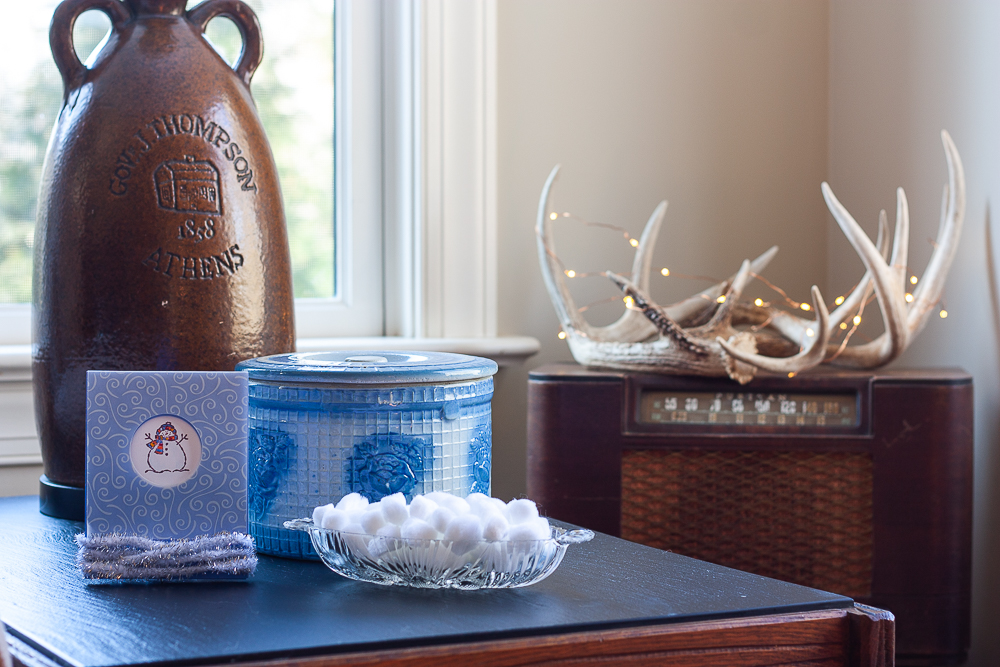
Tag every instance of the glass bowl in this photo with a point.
(440, 563)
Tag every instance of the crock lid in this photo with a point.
(369, 367)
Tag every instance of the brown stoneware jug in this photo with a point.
(161, 240)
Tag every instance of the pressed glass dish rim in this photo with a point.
(559, 541)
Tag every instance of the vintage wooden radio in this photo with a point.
(858, 483)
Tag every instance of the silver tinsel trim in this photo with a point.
(131, 557)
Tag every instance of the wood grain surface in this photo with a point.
(859, 637)
(300, 609)
(915, 425)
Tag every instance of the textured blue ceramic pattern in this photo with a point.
(267, 457)
(482, 460)
(312, 444)
(213, 500)
(382, 465)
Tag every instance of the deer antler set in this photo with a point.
(713, 333)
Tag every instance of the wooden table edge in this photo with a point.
(861, 636)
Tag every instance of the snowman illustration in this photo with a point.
(166, 454)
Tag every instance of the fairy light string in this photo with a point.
(847, 328)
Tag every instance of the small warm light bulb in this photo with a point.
(664, 272)
(553, 215)
(567, 214)
(791, 375)
(908, 297)
(805, 306)
(810, 332)
(758, 302)
(857, 320)
(634, 242)
(839, 300)
(943, 313)
(722, 299)
(570, 273)
(629, 302)
(913, 280)
(843, 325)
(562, 335)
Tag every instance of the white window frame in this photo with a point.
(416, 155)
(416, 151)
(356, 307)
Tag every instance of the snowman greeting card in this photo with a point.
(166, 475)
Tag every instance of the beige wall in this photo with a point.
(900, 72)
(719, 107)
(735, 112)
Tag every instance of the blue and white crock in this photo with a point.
(324, 424)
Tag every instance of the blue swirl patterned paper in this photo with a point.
(166, 453)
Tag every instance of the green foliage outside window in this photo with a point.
(293, 89)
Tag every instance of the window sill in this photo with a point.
(19, 444)
(15, 360)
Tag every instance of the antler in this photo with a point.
(902, 319)
(699, 335)
(631, 342)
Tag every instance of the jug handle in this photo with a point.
(244, 18)
(61, 35)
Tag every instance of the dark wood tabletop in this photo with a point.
(608, 598)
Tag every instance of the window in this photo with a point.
(294, 92)
(413, 246)
(293, 89)
(406, 246)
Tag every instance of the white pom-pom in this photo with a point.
(372, 520)
(421, 507)
(464, 531)
(477, 499)
(438, 497)
(480, 505)
(356, 541)
(394, 509)
(542, 528)
(535, 529)
(386, 540)
(496, 527)
(454, 503)
(319, 512)
(440, 518)
(521, 510)
(418, 529)
(335, 519)
(389, 530)
(352, 502)
(353, 529)
(476, 527)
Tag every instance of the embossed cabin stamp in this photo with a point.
(188, 185)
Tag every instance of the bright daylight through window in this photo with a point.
(293, 89)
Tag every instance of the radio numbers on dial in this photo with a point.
(749, 408)
(192, 230)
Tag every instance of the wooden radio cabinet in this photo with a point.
(858, 483)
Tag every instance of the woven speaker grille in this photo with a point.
(804, 517)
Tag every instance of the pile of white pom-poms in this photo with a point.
(439, 530)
